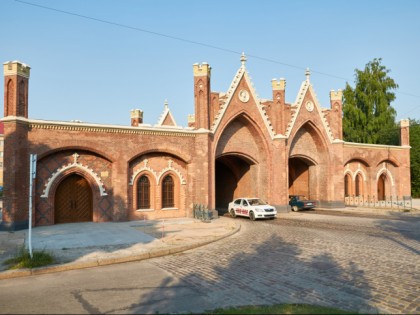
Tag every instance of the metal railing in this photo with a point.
(389, 202)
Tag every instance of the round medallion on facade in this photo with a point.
(244, 96)
(309, 106)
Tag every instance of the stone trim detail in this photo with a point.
(176, 131)
(75, 164)
(171, 168)
(384, 169)
(144, 168)
(158, 177)
(354, 174)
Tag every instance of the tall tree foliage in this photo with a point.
(415, 157)
(368, 114)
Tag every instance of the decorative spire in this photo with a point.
(243, 59)
(308, 74)
(166, 104)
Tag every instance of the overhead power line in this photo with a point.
(134, 28)
(138, 29)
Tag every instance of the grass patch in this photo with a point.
(280, 309)
(23, 259)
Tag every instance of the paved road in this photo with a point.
(358, 263)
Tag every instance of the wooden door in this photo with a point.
(381, 187)
(73, 200)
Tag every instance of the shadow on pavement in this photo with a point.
(260, 276)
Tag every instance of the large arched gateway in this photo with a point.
(240, 161)
(236, 144)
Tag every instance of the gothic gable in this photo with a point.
(241, 97)
(307, 108)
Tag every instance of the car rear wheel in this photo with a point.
(295, 208)
(252, 216)
(232, 213)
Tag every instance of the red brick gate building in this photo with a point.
(236, 144)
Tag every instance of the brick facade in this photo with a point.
(235, 145)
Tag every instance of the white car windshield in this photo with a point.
(256, 202)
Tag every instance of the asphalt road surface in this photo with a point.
(367, 264)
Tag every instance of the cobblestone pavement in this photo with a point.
(363, 264)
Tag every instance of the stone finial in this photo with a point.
(136, 117)
(243, 59)
(16, 68)
(307, 74)
(336, 96)
(136, 113)
(404, 123)
(191, 120)
(202, 69)
(166, 104)
(278, 85)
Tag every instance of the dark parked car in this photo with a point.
(298, 202)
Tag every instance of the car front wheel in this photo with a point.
(232, 213)
(252, 216)
(295, 208)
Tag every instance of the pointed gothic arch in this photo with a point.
(240, 154)
(308, 163)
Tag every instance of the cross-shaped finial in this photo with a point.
(75, 156)
(243, 59)
(308, 74)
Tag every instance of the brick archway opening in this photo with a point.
(300, 177)
(235, 177)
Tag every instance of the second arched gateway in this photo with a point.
(236, 145)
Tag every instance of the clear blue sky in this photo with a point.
(96, 72)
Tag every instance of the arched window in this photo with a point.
(347, 185)
(168, 192)
(143, 193)
(359, 185)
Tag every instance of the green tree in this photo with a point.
(415, 157)
(368, 116)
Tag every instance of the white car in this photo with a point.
(253, 208)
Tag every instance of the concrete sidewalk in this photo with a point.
(85, 245)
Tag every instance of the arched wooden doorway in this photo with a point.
(299, 177)
(347, 185)
(359, 185)
(382, 180)
(73, 200)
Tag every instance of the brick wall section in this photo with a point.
(116, 153)
(378, 159)
(52, 163)
(156, 166)
(16, 173)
